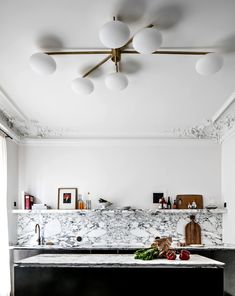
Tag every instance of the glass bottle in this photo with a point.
(163, 203)
(88, 201)
(81, 204)
(169, 203)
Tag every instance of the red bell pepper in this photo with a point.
(184, 255)
(171, 255)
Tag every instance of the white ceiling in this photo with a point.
(164, 92)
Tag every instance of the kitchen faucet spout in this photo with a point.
(37, 230)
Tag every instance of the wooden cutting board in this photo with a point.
(183, 200)
(192, 232)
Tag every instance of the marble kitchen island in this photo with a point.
(116, 274)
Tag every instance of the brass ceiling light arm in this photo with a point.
(117, 67)
(97, 66)
(169, 52)
(78, 52)
(128, 51)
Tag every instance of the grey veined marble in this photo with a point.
(112, 260)
(115, 227)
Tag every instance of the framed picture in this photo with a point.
(67, 198)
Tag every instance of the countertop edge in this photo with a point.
(114, 248)
(117, 265)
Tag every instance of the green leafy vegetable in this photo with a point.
(147, 254)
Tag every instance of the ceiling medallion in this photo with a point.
(115, 35)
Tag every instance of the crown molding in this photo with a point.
(221, 125)
(10, 114)
(10, 108)
(11, 133)
(225, 107)
(124, 141)
(21, 129)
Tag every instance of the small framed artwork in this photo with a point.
(67, 198)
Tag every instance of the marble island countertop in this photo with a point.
(113, 260)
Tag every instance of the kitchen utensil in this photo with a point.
(192, 232)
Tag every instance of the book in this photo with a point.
(23, 193)
(27, 201)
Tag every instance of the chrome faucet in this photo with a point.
(37, 230)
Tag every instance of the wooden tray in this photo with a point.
(183, 200)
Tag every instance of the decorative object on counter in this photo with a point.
(27, 200)
(211, 207)
(88, 201)
(192, 205)
(162, 244)
(192, 232)
(127, 208)
(147, 253)
(174, 204)
(104, 203)
(23, 193)
(81, 204)
(184, 255)
(194, 200)
(158, 249)
(161, 248)
(169, 203)
(211, 204)
(171, 255)
(163, 203)
(67, 198)
(157, 196)
(39, 207)
(49, 243)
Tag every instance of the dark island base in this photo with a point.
(90, 281)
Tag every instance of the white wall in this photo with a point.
(125, 172)
(228, 187)
(12, 186)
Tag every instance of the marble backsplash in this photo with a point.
(115, 227)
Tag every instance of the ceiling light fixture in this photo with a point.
(116, 36)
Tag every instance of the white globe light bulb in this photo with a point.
(82, 86)
(116, 81)
(147, 40)
(209, 64)
(42, 63)
(114, 34)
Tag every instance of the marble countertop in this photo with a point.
(113, 260)
(119, 247)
